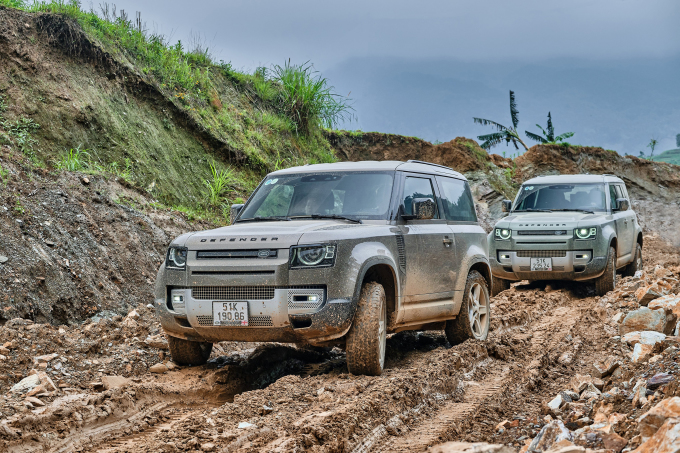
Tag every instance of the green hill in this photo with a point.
(672, 156)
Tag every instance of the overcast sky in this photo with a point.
(331, 35)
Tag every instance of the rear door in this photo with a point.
(430, 253)
(628, 237)
(621, 221)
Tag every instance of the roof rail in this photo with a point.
(428, 163)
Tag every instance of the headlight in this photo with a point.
(585, 233)
(176, 258)
(503, 233)
(322, 255)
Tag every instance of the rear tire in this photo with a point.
(474, 317)
(607, 281)
(185, 352)
(367, 338)
(636, 265)
(498, 285)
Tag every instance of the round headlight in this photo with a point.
(503, 233)
(311, 256)
(177, 257)
(585, 233)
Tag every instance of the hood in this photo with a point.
(549, 220)
(249, 235)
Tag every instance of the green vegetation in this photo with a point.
(218, 185)
(651, 145)
(548, 137)
(19, 132)
(509, 134)
(74, 160)
(671, 156)
(4, 175)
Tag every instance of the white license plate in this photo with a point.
(541, 264)
(230, 313)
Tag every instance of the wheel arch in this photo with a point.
(380, 271)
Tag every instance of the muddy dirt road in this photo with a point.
(279, 398)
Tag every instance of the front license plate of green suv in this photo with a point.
(541, 264)
(230, 313)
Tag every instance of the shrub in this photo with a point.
(74, 160)
(218, 185)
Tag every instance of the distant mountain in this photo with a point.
(617, 104)
(672, 156)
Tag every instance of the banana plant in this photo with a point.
(509, 134)
(548, 137)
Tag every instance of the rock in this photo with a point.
(157, 341)
(208, 446)
(605, 368)
(35, 401)
(465, 447)
(566, 358)
(26, 384)
(85, 180)
(115, 382)
(639, 393)
(551, 433)
(641, 353)
(4, 350)
(670, 304)
(47, 382)
(573, 396)
(129, 322)
(556, 403)
(617, 318)
(647, 294)
(599, 437)
(590, 392)
(643, 319)
(49, 243)
(599, 383)
(3, 259)
(267, 410)
(45, 358)
(645, 337)
(564, 446)
(246, 425)
(658, 380)
(3, 358)
(651, 421)
(158, 368)
(37, 389)
(580, 381)
(133, 315)
(665, 440)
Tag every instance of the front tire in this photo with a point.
(636, 265)
(498, 285)
(367, 338)
(474, 317)
(185, 352)
(607, 281)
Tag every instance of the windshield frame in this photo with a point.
(604, 208)
(387, 216)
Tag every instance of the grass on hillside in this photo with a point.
(671, 156)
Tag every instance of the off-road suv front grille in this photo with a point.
(243, 292)
(253, 321)
(541, 253)
(542, 232)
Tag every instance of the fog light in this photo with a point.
(505, 257)
(177, 299)
(581, 257)
(313, 298)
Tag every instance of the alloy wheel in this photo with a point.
(478, 310)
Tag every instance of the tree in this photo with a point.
(652, 144)
(642, 154)
(548, 134)
(677, 140)
(509, 134)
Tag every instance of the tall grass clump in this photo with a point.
(218, 185)
(74, 160)
(307, 98)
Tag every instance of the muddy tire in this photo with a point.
(636, 265)
(474, 317)
(498, 285)
(607, 281)
(366, 339)
(185, 352)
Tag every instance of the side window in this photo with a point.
(417, 188)
(457, 200)
(620, 193)
(612, 196)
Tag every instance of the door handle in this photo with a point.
(447, 241)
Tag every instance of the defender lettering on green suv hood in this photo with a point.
(548, 220)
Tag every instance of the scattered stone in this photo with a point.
(129, 322)
(647, 294)
(670, 304)
(35, 401)
(579, 382)
(566, 358)
(605, 368)
(47, 382)
(641, 353)
(49, 243)
(590, 392)
(651, 421)
(158, 368)
(115, 382)
(617, 318)
(26, 384)
(85, 180)
(643, 319)
(208, 446)
(45, 358)
(550, 434)
(465, 447)
(267, 410)
(36, 390)
(645, 337)
(157, 341)
(599, 383)
(665, 440)
(556, 403)
(246, 425)
(639, 393)
(659, 379)
(3, 259)
(133, 315)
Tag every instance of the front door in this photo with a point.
(624, 227)
(430, 254)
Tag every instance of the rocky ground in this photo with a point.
(562, 369)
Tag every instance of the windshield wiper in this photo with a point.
(273, 218)
(533, 210)
(327, 216)
(576, 210)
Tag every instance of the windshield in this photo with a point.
(357, 195)
(577, 197)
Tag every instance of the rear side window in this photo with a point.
(457, 200)
(613, 196)
(417, 188)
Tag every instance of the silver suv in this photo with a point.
(332, 254)
(568, 227)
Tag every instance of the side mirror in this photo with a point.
(506, 205)
(622, 204)
(234, 212)
(423, 208)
